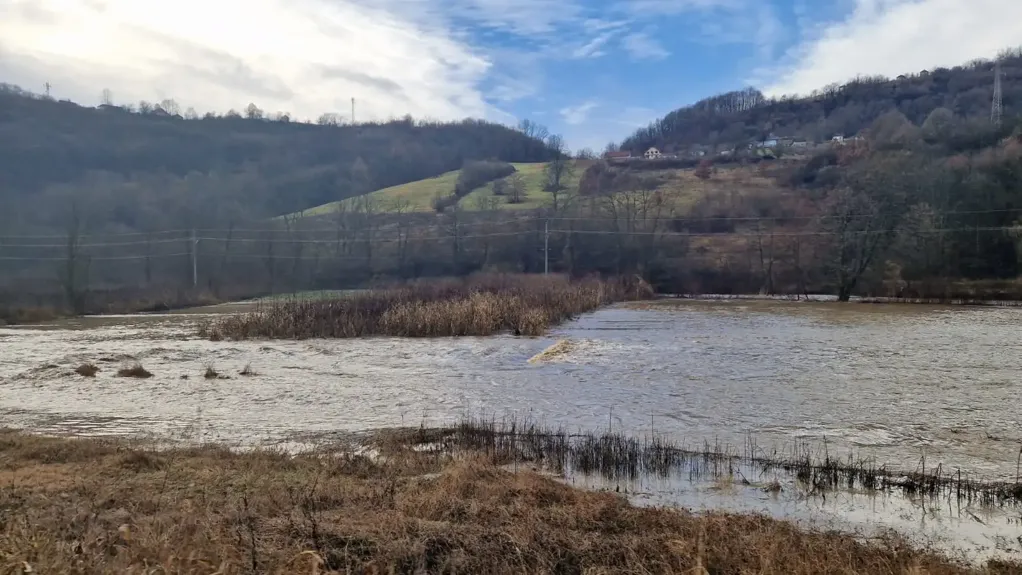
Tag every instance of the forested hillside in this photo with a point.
(154, 169)
(739, 117)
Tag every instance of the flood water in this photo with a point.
(897, 383)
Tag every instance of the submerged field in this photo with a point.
(89, 506)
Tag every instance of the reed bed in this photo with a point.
(619, 457)
(83, 506)
(475, 306)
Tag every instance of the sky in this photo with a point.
(591, 70)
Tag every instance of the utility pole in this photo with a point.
(546, 248)
(996, 109)
(48, 86)
(195, 260)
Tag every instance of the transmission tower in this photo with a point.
(996, 110)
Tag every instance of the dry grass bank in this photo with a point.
(84, 506)
(478, 305)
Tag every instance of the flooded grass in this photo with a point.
(616, 456)
(477, 306)
(87, 370)
(94, 506)
(136, 371)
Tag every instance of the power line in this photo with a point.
(184, 232)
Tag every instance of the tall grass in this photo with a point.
(474, 306)
(616, 456)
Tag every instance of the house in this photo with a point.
(653, 154)
(800, 144)
(839, 139)
(786, 142)
(617, 155)
(768, 143)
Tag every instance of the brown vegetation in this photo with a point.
(136, 371)
(87, 370)
(478, 305)
(87, 506)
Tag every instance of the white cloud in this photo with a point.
(892, 37)
(574, 115)
(593, 48)
(642, 46)
(303, 56)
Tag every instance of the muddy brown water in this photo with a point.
(894, 382)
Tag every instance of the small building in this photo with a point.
(768, 143)
(800, 144)
(838, 139)
(653, 154)
(617, 155)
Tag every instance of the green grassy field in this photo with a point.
(681, 187)
(418, 196)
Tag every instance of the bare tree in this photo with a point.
(145, 107)
(558, 170)
(75, 276)
(488, 208)
(171, 107)
(253, 112)
(515, 188)
(292, 229)
(533, 130)
(107, 97)
(400, 208)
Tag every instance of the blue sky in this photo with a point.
(592, 70)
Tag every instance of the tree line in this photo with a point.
(736, 118)
(49, 147)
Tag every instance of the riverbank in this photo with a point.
(77, 505)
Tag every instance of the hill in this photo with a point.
(736, 118)
(159, 170)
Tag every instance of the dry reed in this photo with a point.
(616, 456)
(90, 506)
(475, 306)
(136, 371)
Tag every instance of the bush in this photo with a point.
(704, 170)
(475, 174)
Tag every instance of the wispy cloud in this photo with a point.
(642, 46)
(294, 56)
(892, 37)
(718, 22)
(594, 47)
(574, 115)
